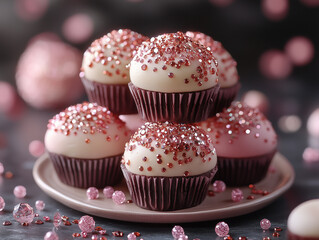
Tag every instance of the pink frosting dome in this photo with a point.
(227, 66)
(241, 131)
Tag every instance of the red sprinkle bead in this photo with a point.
(98, 228)
(76, 235)
(38, 222)
(211, 193)
(67, 223)
(277, 229)
(46, 219)
(75, 221)
(137, 234)
(251, 197)
(118, 234)
(6, 223)
(242, 238)
(276, 234)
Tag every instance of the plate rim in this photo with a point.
(165, 217)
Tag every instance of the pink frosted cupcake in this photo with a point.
(85, 143)
(104, 72)
(228, 75)
(303, 221)
(168, 166)
(245, 143)
(173, 79)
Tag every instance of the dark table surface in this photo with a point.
(32, 125)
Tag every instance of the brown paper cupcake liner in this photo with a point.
(186, 107)
(117, 97)
(167, 193)
(224, 98)
(243, 171)
(291, 236)
(84, 173)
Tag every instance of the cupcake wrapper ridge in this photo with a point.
(85, 173)
(184, 107)
(167, 193)
(117, 97)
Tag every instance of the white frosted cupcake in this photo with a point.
(85, 143)
(228, 75)
(168, 166)
(245, 143)
(303, 221)
(173, 79)
(104, 72)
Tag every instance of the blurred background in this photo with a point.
(273, 41)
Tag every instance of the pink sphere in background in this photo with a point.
(275, 9)
(275, 64)
(311, 3)
(221, 3)
(31, 10)
(300, 50)
(133, 121)
(47, 73)
(313, 123)
(36, 148)
(10, 103)
(256, 99)
(78, 28)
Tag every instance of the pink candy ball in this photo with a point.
(237, 195)
(92, 193)
(39, 205)
(36, 148)
(131, 236)
(118, 197)
(108, 191)
(219, 186)
(86, 224)
(177, 231)
(2, 203)
(265, 224)
(20, 191)
(51, 236)
(222, 229)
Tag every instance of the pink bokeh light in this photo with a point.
(10, 103)
(310, 3)
(31, 10)
(300, 50)
(78, 28)
(256, 99)
(313, 123)
(275, 10)
(275, 64)
(36, 148)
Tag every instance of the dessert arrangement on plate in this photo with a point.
(181, 132)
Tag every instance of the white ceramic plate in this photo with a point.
(219, 206)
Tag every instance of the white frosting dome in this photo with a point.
(304, 219)
(240, 131)
(173, 63)
(228, 75)
(106, 59)
(86, 131)
(167, 149)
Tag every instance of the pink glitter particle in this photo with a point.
(20, 191)
(177, 231)
(108, 191)
(219, 186)
(118, 197)
(86, 224)
(222, 229)
(131, 236)
(36, 148)
(311, 155)
(51, 236)
(39, 205)
(237, 195)
(23, 213)
(300, 50)
(265, 224)
(2, 203)
(92, 193)
(1, 168)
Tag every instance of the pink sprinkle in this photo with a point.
(86, 224)
(219, 186)
(36, 148)
(39, 205)
(237, 195)
(177, 231)
(222, 229)
(2, 203)
(1, 168)
(20, 191)
(92, 193)
(131, 236)
(311, 155)
(118, 197)
(51, 236)
(108, 191)
(265, 224)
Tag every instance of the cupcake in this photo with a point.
(173, 79)
(85, 143)
(104, 72)
(245, 143)
(303, 221)
(228, 75)
(168, 166)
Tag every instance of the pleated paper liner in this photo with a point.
(224, 99)
(85, 173)
(184, 107)
(117, 97)
(167, 193)
(291, 236)
(243, 171)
